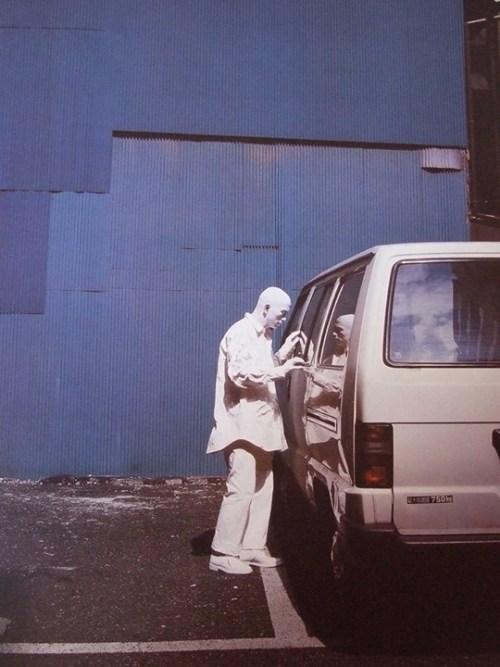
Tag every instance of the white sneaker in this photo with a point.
(260, 558)
(229, 564)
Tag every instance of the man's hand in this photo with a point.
(292, 364)
(294, 344)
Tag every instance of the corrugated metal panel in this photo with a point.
(80, 238)
(201, 198)
(24, 231)
(385, 72)
(62, 14)
(335, 202)
(24, 437)
(75, 70)
(79, 388)
(117, 377)
(55, 127)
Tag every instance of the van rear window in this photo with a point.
(445, 312)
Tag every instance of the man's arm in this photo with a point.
(245, 370)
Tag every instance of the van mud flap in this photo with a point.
(496, 441)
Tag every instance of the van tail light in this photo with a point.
(374, 456)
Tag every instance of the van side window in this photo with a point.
(293, 322)
(336, 341)
(446, 313)
(311, 324)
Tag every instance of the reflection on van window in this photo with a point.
(337, 344)
(336, 341)
(446, 312)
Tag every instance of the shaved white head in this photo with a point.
(272, 307)
(274, 296)
(346, 322)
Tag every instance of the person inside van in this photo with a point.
(248, 429)
(327, 390)
(341, 333)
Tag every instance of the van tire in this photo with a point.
(345, 571)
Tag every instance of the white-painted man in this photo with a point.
(248, 429)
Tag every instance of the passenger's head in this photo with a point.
(272, 307)
(342, 332)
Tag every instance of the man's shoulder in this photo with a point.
(242, 330)
(242, 325)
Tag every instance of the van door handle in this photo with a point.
(496, 441)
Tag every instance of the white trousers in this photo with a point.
(245, 511)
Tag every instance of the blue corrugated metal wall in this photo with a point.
(156, 246)
(24, 231)
(117, 376)
(350, 70)
(56, 70)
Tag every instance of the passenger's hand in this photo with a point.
(331, 387)
(295, 343)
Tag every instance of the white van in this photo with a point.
(401, 428)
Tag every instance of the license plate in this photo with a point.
(429, 500)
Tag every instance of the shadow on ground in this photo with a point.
(201, 545)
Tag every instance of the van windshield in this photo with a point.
(445, 312)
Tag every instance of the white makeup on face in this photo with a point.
(275, 316)
(272, 307)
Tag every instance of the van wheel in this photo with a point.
(355, 575)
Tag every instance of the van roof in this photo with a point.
(414, 249)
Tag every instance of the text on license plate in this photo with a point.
(428, 500)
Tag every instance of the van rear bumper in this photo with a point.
(385, 537)
(373, 552)
(418, 540)
(360, 536)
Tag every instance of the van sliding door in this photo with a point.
(324, 395)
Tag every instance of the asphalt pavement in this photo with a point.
(101, 571)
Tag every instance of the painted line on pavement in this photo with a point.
(285, 619)
(289, 630)
(161, 647)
